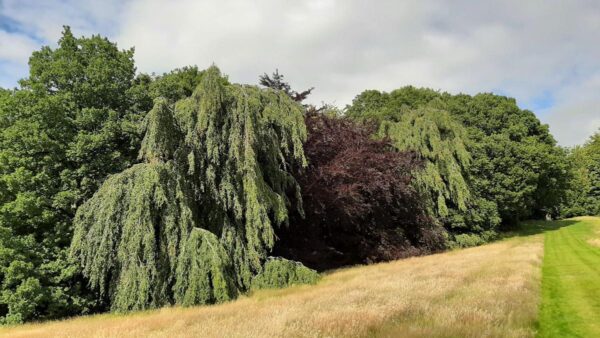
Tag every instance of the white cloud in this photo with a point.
(45, 19)
(532, 50)
(577, 113)
(16, 48)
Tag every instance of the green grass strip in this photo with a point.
(570, 304)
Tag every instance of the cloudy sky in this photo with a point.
(545, 53)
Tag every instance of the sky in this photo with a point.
(544, 53)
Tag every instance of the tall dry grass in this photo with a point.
(490, 291)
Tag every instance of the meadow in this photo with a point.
(490, 290)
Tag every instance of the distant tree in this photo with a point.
(515, 161)
(583, 195)
(275, 81)
(592, 151)
(358, 199)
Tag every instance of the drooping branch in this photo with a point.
(441, 143)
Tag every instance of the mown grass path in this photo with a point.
(571, 279)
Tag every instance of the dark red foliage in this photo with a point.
(358, 200)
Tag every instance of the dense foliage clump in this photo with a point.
(441, 143)
(73, 121)
(195, 222)
(280, 272)
(583, 194)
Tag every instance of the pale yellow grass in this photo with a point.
(489, 291)
(595, 241)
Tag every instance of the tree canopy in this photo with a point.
(515, 161)
(441, 143)
(73, 121)
(76, 119)
(583, 194)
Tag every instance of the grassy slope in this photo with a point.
(571, 280)
(492, 290)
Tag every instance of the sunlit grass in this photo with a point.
(571, 281)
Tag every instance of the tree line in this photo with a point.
(122, 191)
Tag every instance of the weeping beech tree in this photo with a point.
(194, 222)
(440, 141)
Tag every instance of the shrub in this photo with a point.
(279, 272)
(471, 239)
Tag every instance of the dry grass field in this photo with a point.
(492, 291)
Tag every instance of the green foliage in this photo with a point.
(440, 141)
(583, 195)
(162, 134)
(73, 121)
(127, 235)
(194, 223)
(515, 161)
(241, 144)
(204, 271)
(480, 217)
(177, 84)
(279, 273)
(22, 303)
(380, 106)
(413, 120)
(466, 240)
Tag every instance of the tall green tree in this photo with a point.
(583, 196)
(73, 121)
(517, 162)
(194, 223)
(592, 152)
